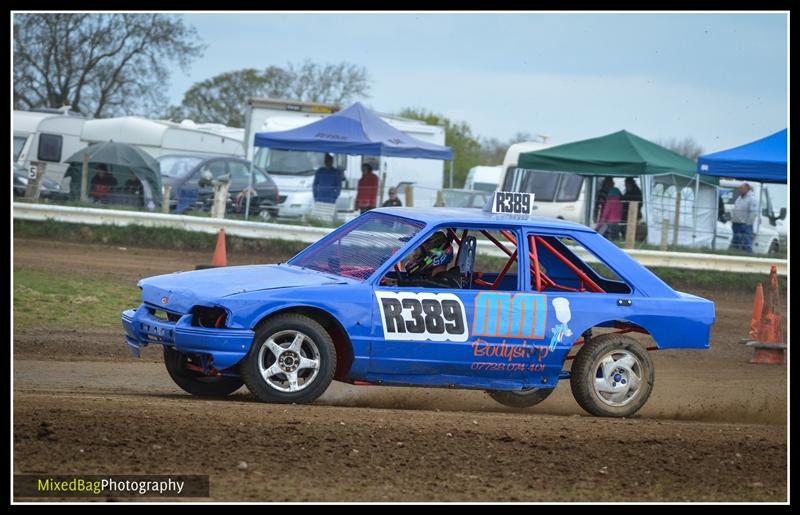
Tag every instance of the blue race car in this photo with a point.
(435, 297)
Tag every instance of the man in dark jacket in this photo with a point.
(327, 182)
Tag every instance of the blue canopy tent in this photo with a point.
(762, 160)
(355, 130)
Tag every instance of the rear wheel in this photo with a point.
(521, 399)
(612, 376)
(195, 382)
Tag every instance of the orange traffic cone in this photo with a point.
(220, 253)
(758, 306)
(769, 348)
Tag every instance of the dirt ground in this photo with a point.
(713, 429)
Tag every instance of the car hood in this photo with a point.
(180, 291)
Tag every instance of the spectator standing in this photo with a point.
(102, 183)
(745, 210)
(632, 193)
(327, 182)
(602, 194)
(366, 198)
(392, 201)
(611, 214)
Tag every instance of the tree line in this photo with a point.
(107, 65)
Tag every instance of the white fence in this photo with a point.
(42, 212)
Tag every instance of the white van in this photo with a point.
(766, 235)
(47, 135)
(558, 195)
(483, 178)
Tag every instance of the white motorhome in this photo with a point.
(47, 135)
(161, 137)
(293, 171)
(483, 178)
(766, 230)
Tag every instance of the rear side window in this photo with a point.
(566, 265)
(50, 148)
(240, 174)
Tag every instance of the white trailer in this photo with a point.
(294, 171)
(49, 136)
(162, 137)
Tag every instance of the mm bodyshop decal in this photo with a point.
(507, 315)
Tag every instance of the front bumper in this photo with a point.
(225, 346)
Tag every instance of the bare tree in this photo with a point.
(687, 147)
(100, 64)
(223, 98)
(329, 83)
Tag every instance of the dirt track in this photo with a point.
(713, 429)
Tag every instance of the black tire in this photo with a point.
(774, 248)
(521, 399)
(195, 382)
(280, 327)
(587, 365)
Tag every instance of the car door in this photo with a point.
(476, 336)
(577, 292)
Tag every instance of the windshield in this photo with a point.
(542, 184)
(177, 166)
(359, 248)
(19, 142)
(290, 162)
(484, 186)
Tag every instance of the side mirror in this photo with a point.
(782, 214)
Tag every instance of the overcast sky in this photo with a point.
(719, 78)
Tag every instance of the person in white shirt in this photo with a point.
(745, 210)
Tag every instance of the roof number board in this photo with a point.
(508, 202)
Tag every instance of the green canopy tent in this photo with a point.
(623, 154)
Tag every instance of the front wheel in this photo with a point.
(612, 376)
(292, 360)
(195, 382)
(521, 399)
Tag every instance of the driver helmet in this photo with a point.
(435, 252)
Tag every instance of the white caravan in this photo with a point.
(161, 137)
(293, 171)
(49, 136)
(766, 230)
(483, 178)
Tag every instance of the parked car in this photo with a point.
(466, 198)
(48, 188)
(374, 302)
(189, 177)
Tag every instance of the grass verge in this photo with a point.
(281, 250)
(151, 237)
(46, 299)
